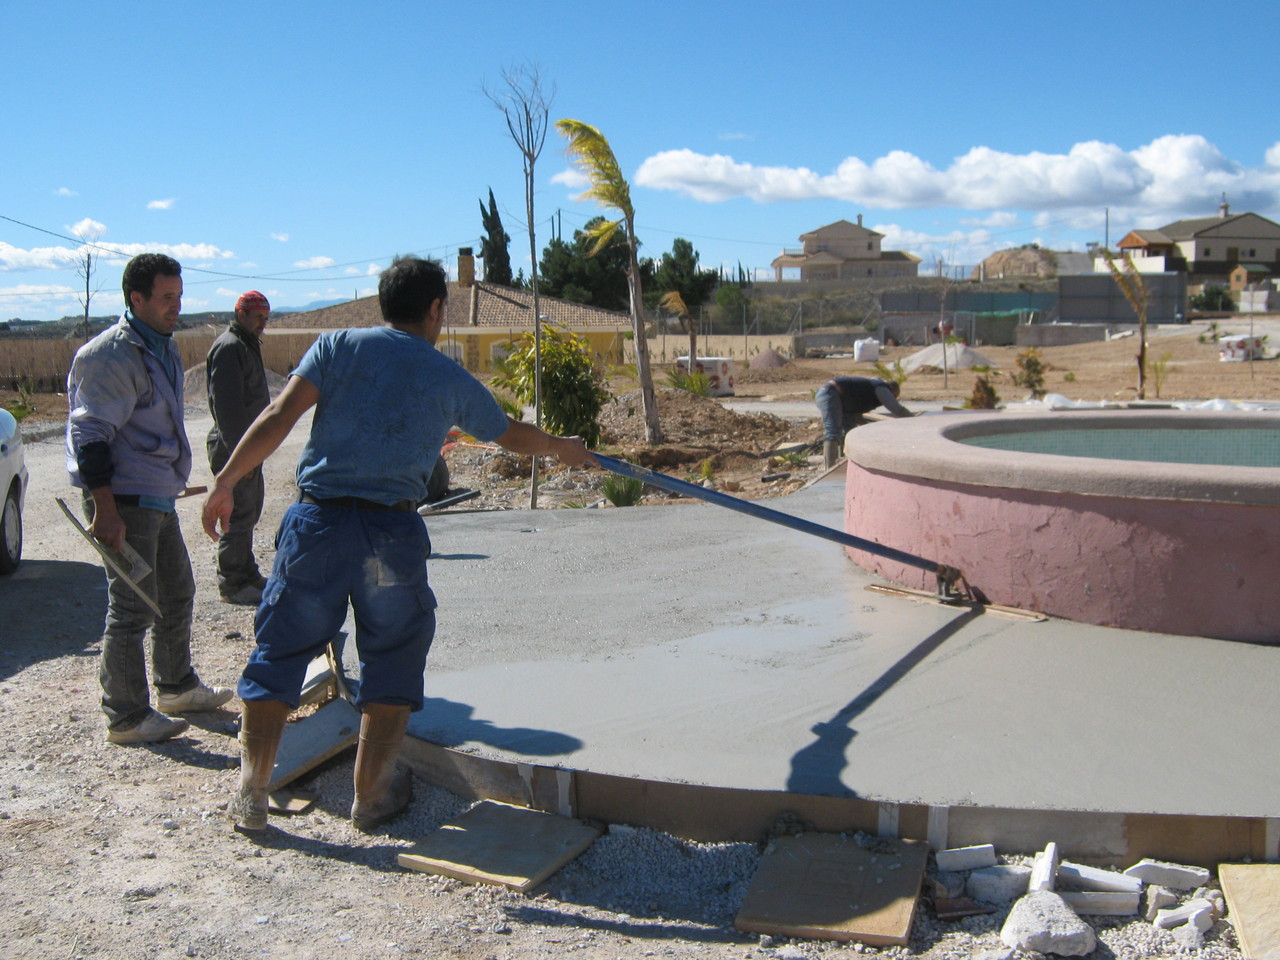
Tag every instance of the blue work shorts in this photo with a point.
(326, 557)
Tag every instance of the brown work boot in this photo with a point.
(261, 727)
(383, 789)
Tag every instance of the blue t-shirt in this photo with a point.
(387, 401)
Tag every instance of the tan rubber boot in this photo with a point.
(261, 727)
(831, 452)
(383, 789)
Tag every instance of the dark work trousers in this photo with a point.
(237, 566)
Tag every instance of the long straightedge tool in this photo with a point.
(947, 576)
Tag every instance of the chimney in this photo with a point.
(1224, 208)
(466, 267)
(859, 219)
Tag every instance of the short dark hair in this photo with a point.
(408, 287)
(140, 274)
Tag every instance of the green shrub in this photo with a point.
(696, 383)
(573, 390)
(984, 396)
(1030, 372)
(622, 491)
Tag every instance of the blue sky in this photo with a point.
(295, 148)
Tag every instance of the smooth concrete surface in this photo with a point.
(691, 644)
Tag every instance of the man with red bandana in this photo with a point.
(237, 384)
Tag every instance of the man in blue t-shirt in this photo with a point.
(385, 399)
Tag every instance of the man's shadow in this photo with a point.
(816, 769)
(50, 609)
(448, 723)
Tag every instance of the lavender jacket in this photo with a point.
(118, 392)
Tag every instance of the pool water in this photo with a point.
(1225, 447)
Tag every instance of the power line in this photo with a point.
(281, 276)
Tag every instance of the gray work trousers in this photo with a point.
(237, 566)
(157, 536)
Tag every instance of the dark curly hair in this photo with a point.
(408, 287)
(140, 274)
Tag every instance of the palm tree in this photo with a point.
(1134, 289)
(594, 157)
(673, 302)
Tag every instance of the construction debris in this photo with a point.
(1043, 922)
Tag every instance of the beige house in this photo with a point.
(845, 251)
(482, 320)
(1208, 248)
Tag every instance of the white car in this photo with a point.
(13, 487)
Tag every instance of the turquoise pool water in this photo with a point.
(1228, 447)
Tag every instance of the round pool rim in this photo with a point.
(931, 447)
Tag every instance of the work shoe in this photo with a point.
(152, 729)
(257, 580)
(245, 596)
(195, 700)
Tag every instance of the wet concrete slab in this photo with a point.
(691, 644)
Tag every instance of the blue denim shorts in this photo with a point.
(327, 557)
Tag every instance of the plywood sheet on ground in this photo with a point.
(830, 886)
(1253, 903)
(313, 740)
(498, 843)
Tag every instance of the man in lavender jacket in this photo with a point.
(127, 451)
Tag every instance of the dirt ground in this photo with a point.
(125, 852)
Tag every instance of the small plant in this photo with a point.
(1069, 377)
(697, 383)
(706, 471)
(1160, 369)
(622, 491)
(1211, 335)
(893, 375)
(509, 404)
(984, 396)
(1030, 372)
(25, 405)
(792, 458)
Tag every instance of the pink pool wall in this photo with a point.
(1167, 548)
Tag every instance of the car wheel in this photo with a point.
(10, 534)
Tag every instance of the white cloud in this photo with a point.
(315, 263)
(160, 204)
(1169, 177)
(87, 229)
(224, 292)
(59, 258)
(573, 178)
(735, 136)
(282, 237)
(999, 219)
(65, 192)
(36, 293)
(37, 258)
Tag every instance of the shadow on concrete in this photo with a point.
(50, 609)
(816, 768)
(451, 724)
